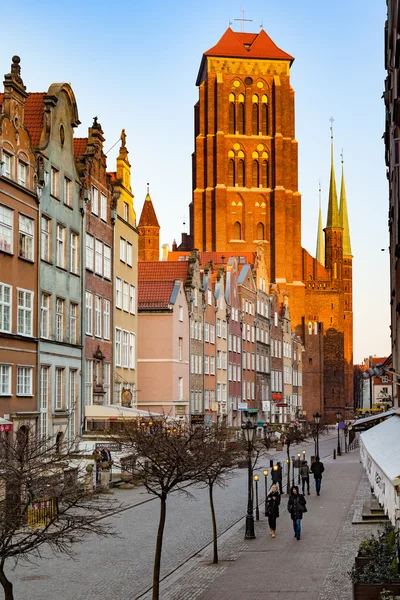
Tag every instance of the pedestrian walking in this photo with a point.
(305, 476)
(268, 442)
(272, 508)
(317, 468)
(277, 476)
(296, 508)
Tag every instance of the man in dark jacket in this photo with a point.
(305, 476)
(296, 508)
(317, 468)
(277, 476)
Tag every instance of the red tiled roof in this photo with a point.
(248, 45)
(154, 294)
(162, 270)
(148, 218)
(80, 145)
(34, 116)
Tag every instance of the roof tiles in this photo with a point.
(34, 116)
(162, 270)
(155, 294)
(80, 145)
(248, 45)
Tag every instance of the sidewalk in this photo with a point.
(314, 568)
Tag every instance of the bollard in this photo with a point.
(334, 453)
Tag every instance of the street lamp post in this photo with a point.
(256, 478)
(248, 432)
(304, 455)
(298, 466)
(294, 475)
(338, 417)
(345, 431)
(288, 476)
(266, 489)
(317, 420)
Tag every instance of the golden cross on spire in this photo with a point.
(332, 121)
(242, 20)
(341, 156)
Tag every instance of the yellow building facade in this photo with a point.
(126, 283)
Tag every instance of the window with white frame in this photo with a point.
(60, 246)
(5, 307)
(73, 323)
(129, 254)
(45, 239)
(22, 173)
(74, 252)
(95, 200)
(118, 347)
(24, 381)
(206, 364)
(72, 396)
(125, 349)
(89, 382)
(230, 372)
(132, 300)
(25, 237)
(107, 382)
(223, 392)
(206, 332)
(224, 330)
(212, 334)
(97, 316)
(107, 262)
(7, 160)
(98, 258)
(89, 313)
(6, 229)
(55, 182)
(126, 296)
(212, 365)
(218, 392)
(25, 312)
(224, 355)
(180, 388)
(219, 363)
(103, 207)
(106, 319)
(89, 252)
(122, 249)
(60, 386)
(132, 351)
(126, 211)
(60, 309)
(45, 320)
(118, 292)
(44, 401)
(5, 380)
(67, 191)
(180, 313)
(180, 348)
(218, 327)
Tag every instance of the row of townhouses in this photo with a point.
(93, 326)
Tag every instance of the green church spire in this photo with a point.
(333, 210)
(343, 216)
(320, 252)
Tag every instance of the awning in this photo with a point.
(366, 422)
(380, 455)
(115, 412)
(5, 425)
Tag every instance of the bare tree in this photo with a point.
(220, 457)
(168, 456)
(44, 501)
(314, 430)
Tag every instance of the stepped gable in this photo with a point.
(155, 294)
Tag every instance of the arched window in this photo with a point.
(241, 117)
(255, 174)
(260, 231)
(237, 231)
(231, 173)
(232, 118)
(264, 174)
(264, 116)
(334, 270)
(254, 116)
(240, 178)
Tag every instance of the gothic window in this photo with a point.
(241, 123)
(232, 117)
(231, 173)
(256, 174)
(264, 116)
(260, 231)
(264, 174)
(334, 270)
(240, 178)
(255, 116)
(237, 231)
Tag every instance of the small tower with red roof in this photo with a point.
(149, 231)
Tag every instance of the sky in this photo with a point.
(134, 66)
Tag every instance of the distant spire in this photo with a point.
(320, 252)
(343, 216)
(333, 210)
(148, 218)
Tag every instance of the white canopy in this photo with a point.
(114, 411)
(380, 455)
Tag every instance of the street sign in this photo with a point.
(281, 404)
(197, 419)
(341, 425)
(242, 405)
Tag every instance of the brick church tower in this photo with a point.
(149, 232)
(245, 190)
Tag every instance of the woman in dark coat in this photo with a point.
(296, 508)
(273, 502)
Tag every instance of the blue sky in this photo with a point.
(134, 65)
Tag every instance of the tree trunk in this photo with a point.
(214, 524)
(7, 585)
(157, 557)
